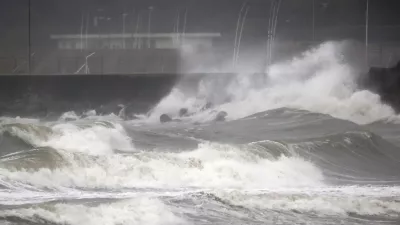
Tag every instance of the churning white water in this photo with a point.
(90, 171)
(210, 166)
(318, 80)
(133, 211)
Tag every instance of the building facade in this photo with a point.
(127, 53)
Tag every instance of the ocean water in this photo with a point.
(303, 145)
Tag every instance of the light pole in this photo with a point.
(178, 18)
(123, 28)
(313, 20)
(151, 8)
(237, 33)
(137, 39)
(83, 19)
(240, 34)
(366, 33)
(185, 21)
(273, 21)
(184, 25)
(29, 36)
(87, 30)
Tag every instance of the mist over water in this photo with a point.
(296, 148)
(319, 80)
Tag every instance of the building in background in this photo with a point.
(300, 24)
(95, 42)
(126, 53)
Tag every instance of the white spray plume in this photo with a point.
(319, 80)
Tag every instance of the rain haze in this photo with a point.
(170, 112)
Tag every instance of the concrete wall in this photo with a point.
(102, 62)
(46, 95)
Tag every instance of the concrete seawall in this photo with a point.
(50, 95)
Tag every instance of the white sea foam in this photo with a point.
(71, 115)
(95, 138)
(171, 105)
(323, 201)
(8, 120)
(210, 166)
(146, 211)
(317, 81)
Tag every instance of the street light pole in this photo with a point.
(123, 29)
(237, 34)
(87, 30)
(184, 26)
(137, 39)
(149, 26)
(29, 37)
(184, 21)
(83, 16)
(313, 20)
(366, 34)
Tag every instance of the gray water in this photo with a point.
(306, 147)
(282, 166)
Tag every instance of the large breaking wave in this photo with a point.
(319, 80)
(100, 156)
(324, 177)
(293, 150)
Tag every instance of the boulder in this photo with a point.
(164, 118)
(208, 105)
(183, 112)
(221, 116)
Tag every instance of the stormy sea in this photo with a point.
(301, 145)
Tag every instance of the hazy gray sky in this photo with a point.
(203, 15)
(65, 16)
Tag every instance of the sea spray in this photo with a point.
(319, 80)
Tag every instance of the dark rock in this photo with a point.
(134, 117)
(221, 116)
(208, 105)
(183, 112)
(164, 118)
(69, 119)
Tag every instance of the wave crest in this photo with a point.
(320, 80)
